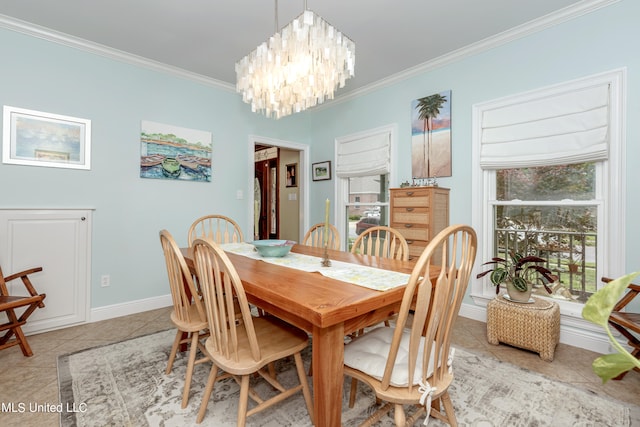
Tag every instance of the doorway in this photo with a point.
(266, 193)
(279, 206)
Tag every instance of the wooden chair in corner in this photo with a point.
(219, 228)
(315, 237)
(411, 363)
(243, 345)
(9, 303)
(625, 322)
(188, 313)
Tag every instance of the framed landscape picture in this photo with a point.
(35, 138)
(171, 152)
(321, 171)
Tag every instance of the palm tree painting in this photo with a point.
(431, 136)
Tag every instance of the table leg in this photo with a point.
(328, 360)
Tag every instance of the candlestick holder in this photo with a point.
(325, 257)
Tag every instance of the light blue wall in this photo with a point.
(129, 211)
(591, 44)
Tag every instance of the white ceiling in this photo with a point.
(207, 37)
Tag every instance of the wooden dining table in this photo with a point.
(327, 308)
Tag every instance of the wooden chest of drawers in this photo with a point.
(419, 213)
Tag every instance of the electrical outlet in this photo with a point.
(105, 280)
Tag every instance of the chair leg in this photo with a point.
(448, 408)
(352, 392)
(22, 340)
(305, 385)
(193, 349)
(243, 402)
(174, 351)
(399, 416)
(207, 393)
(17, 331)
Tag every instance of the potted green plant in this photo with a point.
(573, 265)
(518, 273)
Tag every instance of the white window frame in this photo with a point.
(342, 184)
(611, 188)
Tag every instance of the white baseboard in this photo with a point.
(574, 331)
(131, 307)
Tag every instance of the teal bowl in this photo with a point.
(273, 248)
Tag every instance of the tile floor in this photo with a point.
(34, 379)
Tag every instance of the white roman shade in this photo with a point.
(369, 155)
(556, 128)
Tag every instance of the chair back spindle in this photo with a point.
(219, 228)
(382, 241)
(315, 237)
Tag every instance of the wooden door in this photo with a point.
(266, 174)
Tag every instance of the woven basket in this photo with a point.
(534, 327)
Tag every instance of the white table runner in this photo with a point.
(368, 277)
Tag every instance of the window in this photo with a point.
(549, 172)
(367, 206)
(363, 170)
(551, 212)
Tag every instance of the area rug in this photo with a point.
(124, 384)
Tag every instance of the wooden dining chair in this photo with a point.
(626, 322)
(411, 362)
(188, 313)
(246, 345)
(315, 237)
(9, 303)
(382, 241)
(219, 228)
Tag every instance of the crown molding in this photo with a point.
(547, 21)
(524, 30)
(43, 33)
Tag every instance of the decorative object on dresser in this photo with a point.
(419, 213)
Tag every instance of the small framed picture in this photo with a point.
(321, 171)
(292, 174)
(35, 138)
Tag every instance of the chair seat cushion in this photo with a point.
(369, 352)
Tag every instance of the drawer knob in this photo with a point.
(409, 193)
(410, 209)
(408, 225)
(409, 242)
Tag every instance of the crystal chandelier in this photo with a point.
(297, 68)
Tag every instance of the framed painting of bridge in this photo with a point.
(35, 138)
(175, 153)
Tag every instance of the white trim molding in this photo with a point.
(558, 17)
